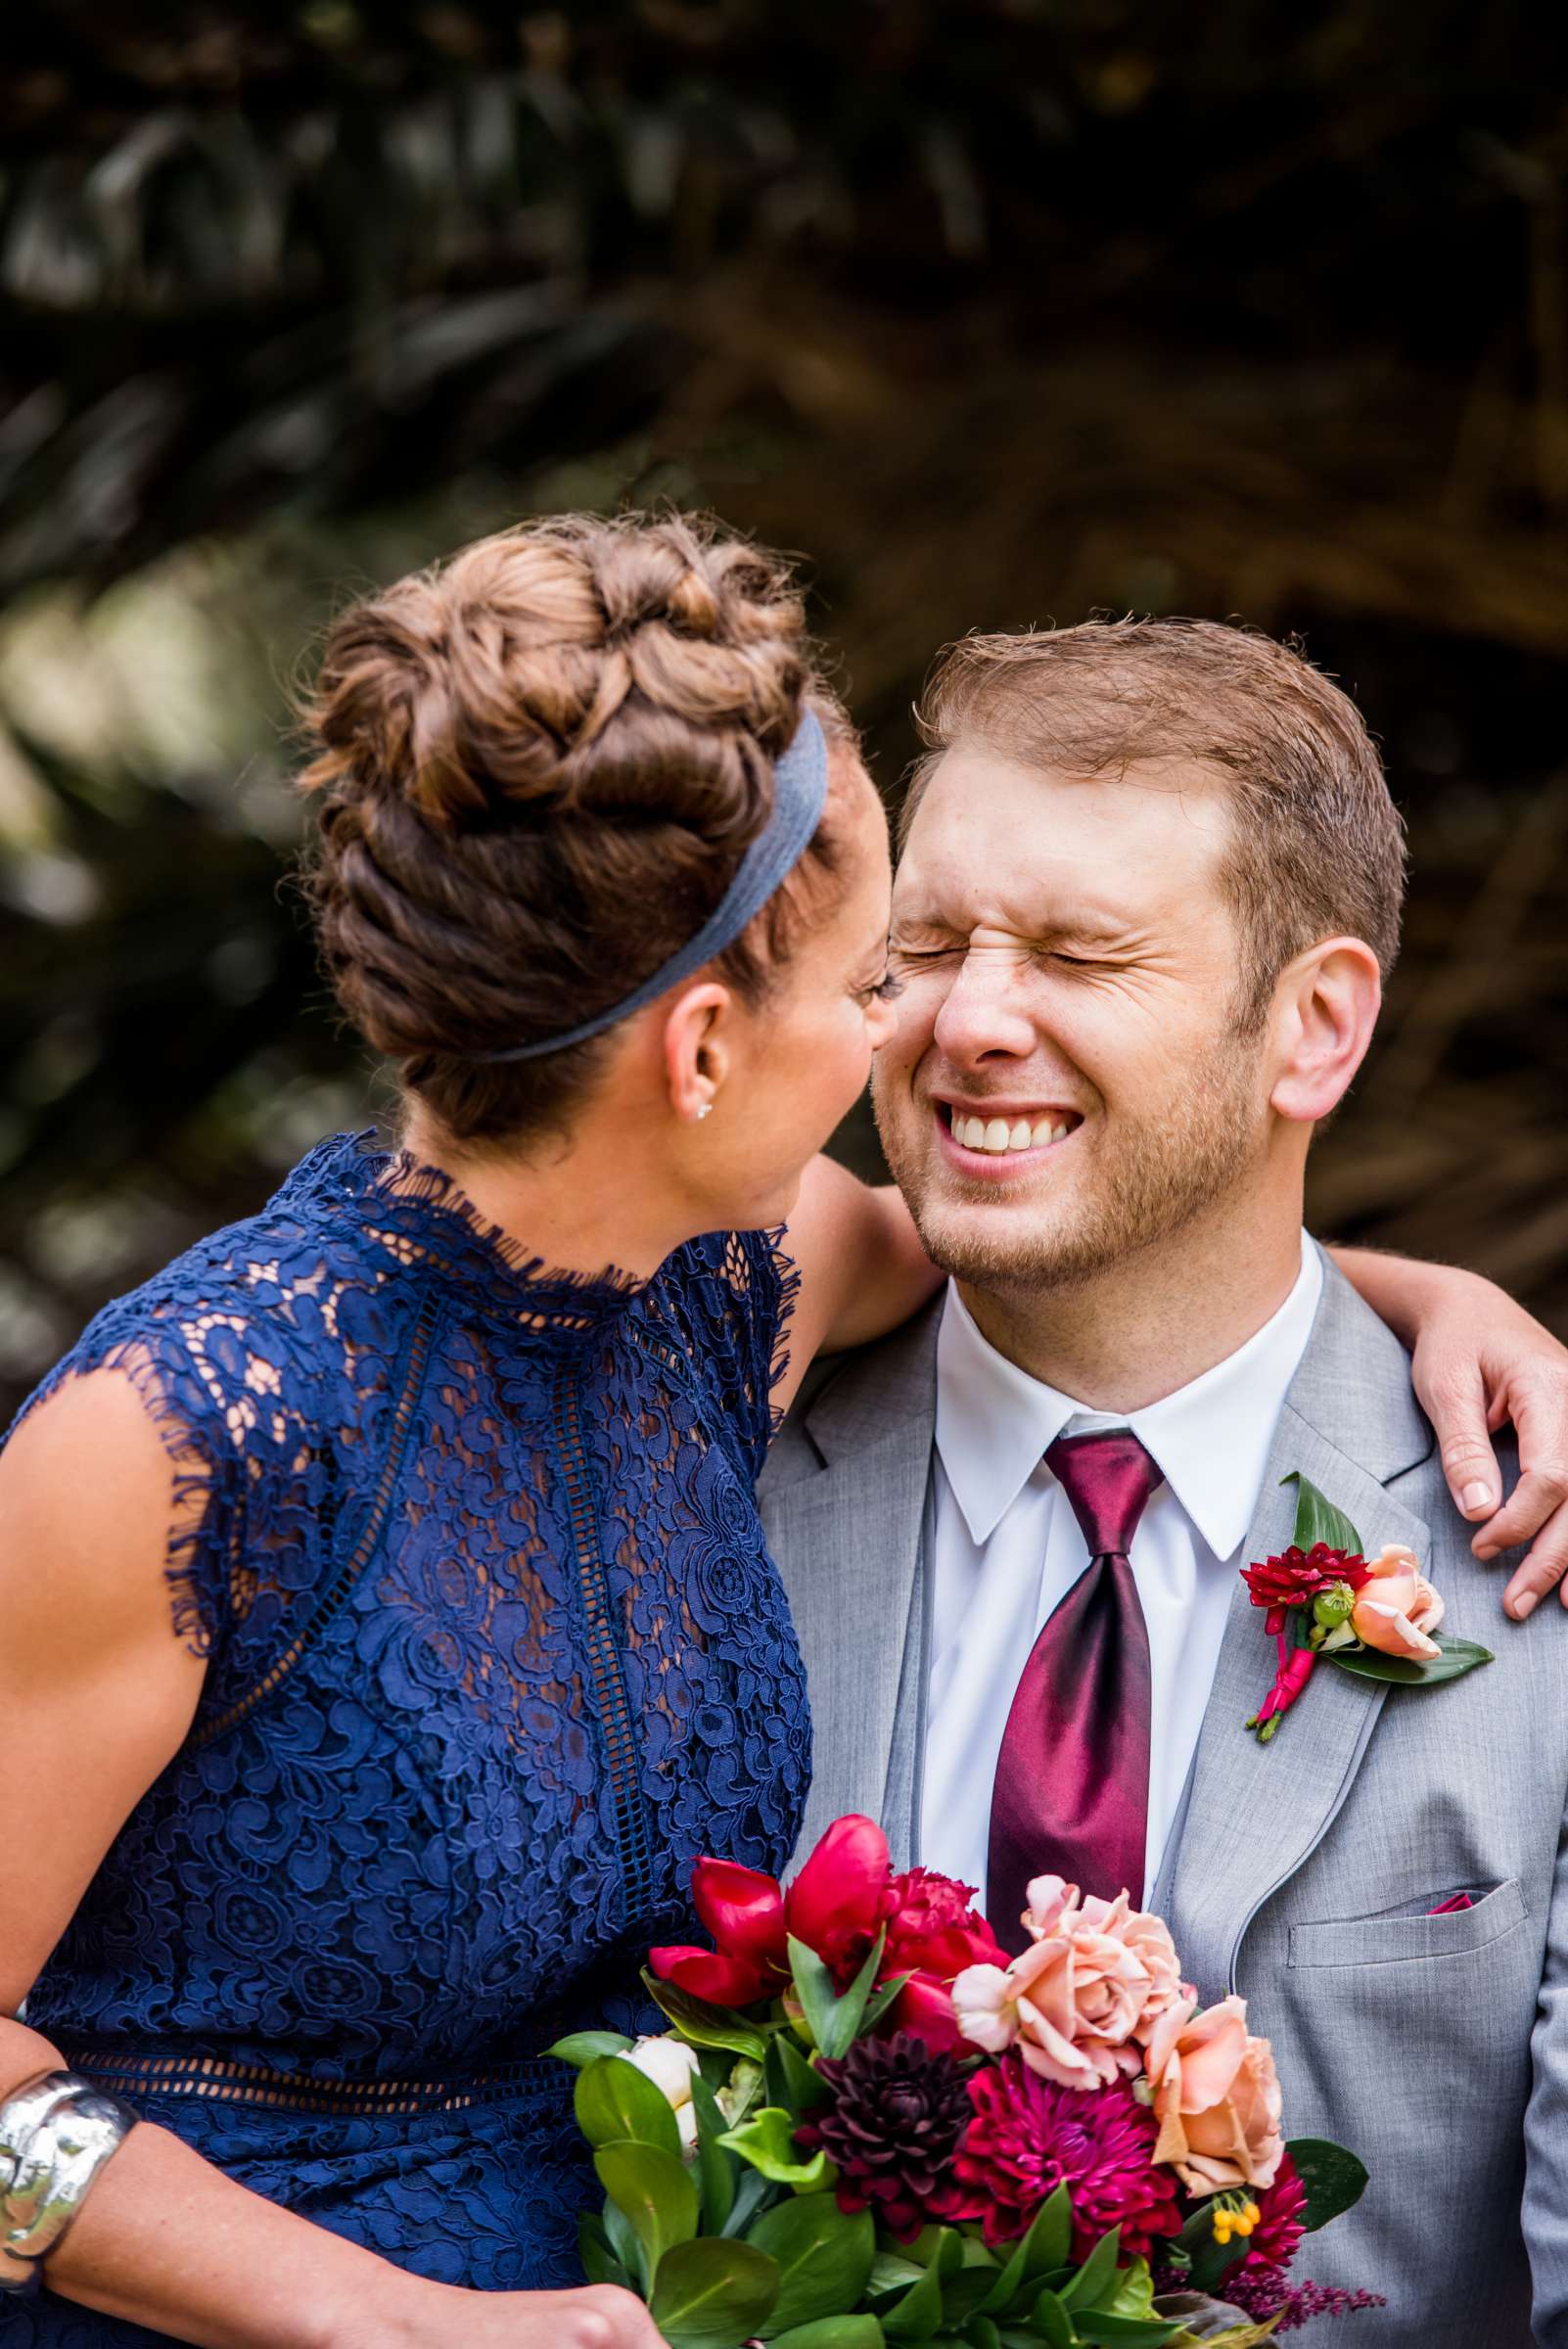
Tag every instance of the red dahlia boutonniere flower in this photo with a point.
(1298, 1577)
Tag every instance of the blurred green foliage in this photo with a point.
(1002, 310)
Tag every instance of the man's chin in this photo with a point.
(992, 1245)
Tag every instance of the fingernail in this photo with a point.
(1486, 1552)
(1523, 1605)
(1477, 1497)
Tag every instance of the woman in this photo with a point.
(478, 1640)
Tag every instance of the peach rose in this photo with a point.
(1216, 2097)
(1094, 1978)
(1396, 1610)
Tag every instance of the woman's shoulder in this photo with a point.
(286, 1289)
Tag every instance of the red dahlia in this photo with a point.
(1028, 2136)
(897, 2119)
(1281, 2220)
(1295, 1579)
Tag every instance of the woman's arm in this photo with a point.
(1477, 1359)
(1481, 1363)
(97, 1693)
(862, 1264)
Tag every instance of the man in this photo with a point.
(1151, 880)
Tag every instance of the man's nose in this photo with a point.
(984, 1010)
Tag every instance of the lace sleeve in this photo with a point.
(154, 1357)
(736, 1291)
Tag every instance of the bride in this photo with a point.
(384, 1618)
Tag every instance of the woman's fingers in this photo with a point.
(1456, 1399)
(1536, 1509)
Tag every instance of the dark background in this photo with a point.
(1002, 312)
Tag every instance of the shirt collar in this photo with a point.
(1210, 1438)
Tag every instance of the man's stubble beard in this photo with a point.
(1149, 1183)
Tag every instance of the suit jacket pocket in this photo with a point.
(1391, 1939)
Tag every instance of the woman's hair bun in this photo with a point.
(572, 663)
(535, 768)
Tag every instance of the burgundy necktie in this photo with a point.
(1072, 1793)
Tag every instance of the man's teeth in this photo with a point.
(998, 1135)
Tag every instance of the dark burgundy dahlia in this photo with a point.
(898, 2115)
(1028, 2136)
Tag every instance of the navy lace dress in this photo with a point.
(495, 1649)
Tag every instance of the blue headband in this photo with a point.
(799, 794)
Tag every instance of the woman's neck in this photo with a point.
(570, 1202)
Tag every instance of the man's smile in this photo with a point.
(989, 1138)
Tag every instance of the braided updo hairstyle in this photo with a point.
(536, 768)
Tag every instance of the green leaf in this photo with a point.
(964, 2294)
(716, 2168)
(623, 2244)
(752, 2192)
(599, 2263)
(1335, 2180)
(881, 1999)
(804, 2088)
(656, 2195)
(1318, 1519)
(1105, 2327)
(704, 2025)
(893, 2273)
(825, 2258)
(582, 2048)
(1135, 2291)
(1043, 2247)
(918, 2315)
(980, 2332)
(1094, 2285)
(1458, 1656)
(1051, 2321)
(616, 2102)
(832, 2021)
(768, 2141)
(710, 2294)
(832, 2332)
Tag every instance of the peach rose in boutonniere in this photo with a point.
(1216, 2097)
(1397, 1608)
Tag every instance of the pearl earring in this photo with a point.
(706, 1111)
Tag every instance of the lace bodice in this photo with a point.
(493, 1645)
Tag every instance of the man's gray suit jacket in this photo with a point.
(1301, 1873)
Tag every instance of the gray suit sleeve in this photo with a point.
(1546, 2196)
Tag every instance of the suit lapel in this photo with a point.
(1255, 1813)
(846, 1518)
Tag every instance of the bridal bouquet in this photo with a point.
(866, 2126)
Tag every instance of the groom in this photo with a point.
(1151, 879)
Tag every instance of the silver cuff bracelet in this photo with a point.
(56, 2134)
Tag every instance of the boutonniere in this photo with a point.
(1375, 1617)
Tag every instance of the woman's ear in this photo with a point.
(697, 1050)
(1326, 1008)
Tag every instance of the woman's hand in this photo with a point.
(1479, 1362)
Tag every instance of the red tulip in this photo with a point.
(841, 1895)
(744, 1911)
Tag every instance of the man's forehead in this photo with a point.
(992, 827)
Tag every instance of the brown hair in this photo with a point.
(538, 767)
(1317, 848)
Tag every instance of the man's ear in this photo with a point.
(1325, 1008)
(697, 1055)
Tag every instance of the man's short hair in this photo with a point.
(1316, 845)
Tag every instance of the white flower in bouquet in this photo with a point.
(670, 2063)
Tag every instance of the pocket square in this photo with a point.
(1451, 1906)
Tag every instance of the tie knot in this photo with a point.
(1108, 1479)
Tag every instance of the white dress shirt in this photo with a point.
(1007, 1549)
